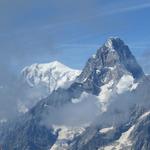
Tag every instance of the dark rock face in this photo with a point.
(92, 139)
(141, 135)
(27, 134)
(111, 62)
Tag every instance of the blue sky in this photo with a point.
(70, 31)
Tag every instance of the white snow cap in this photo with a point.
(50, 75)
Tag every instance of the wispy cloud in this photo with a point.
(117, 9)
(131, 8)
(103, 11)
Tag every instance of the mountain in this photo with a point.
(39, 80)
(111, 62)
(112, 69)
(106, 107)
(50, 76)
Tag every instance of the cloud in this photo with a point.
(84, 111)
(129, 8)
(87, 110)
(104, 10)
(136, 7)
(15, 94)
(118, 8)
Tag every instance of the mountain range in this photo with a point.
(106, 106)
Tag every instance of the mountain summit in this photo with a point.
(116, 51)
(50, 76)
(111, 62)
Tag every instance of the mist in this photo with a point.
(89, 111)
(81, 113)
(16, 97)
(120, 109)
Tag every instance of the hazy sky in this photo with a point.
(70, 30)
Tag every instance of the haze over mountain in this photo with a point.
(105, 107)
(33, 83)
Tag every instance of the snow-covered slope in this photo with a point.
(49, 75)
(126, 140)
(65, 134)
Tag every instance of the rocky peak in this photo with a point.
(111, 61)
(114, 51)
(113, 42)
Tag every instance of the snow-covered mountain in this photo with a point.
(51, 75)
(113, 69)
(111, 62)
(105, 108)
